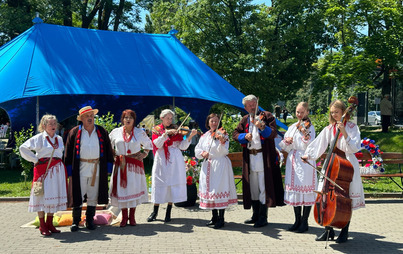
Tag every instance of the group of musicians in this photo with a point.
(78, 172)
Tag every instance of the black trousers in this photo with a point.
(385, 122)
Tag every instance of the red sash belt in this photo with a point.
(40, 166)
(122, 161)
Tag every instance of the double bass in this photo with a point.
(333, 205)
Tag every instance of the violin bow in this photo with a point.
(180, 126)
(327, 178)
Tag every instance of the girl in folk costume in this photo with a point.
(349, 142)
(168, 172)
(49, 171)
(216, 184)
(128, 186)
(300, 178)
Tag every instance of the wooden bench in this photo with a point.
(388, 158)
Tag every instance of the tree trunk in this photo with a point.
(67, 14)
(118, 15)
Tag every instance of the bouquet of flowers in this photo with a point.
(193, 166)
(376, 154)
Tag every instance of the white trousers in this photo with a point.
(257, 187)
(91, 191)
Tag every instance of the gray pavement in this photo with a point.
(375, 229)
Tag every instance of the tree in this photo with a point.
(260, 50)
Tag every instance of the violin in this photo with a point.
(303, 126)
(220, 134)
(184, 130)
(333, 204)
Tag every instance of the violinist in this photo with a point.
(168, 171)
(216, 184)
(261, 176)
(300, 178)
(349, 142)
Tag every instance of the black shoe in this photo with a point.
(90, 225)
(74, 228)
(152, 217)
(323, 236)
(303, 227)
(343, 237)
(214, 219)
(262, 221)
(168, 214)
(255, 215)
(297, 213)
(167, 218)
(89, 216)
(220, 223)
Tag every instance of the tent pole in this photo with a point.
(173, 109)
(37, 111)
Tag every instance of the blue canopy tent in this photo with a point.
(66, 68)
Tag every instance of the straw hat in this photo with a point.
(85, 110)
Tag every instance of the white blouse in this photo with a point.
(139, 139)
(41, 146)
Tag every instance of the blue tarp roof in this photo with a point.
(69, 68)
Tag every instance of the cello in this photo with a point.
(333, 204)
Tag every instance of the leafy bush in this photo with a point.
(320, 121)
(230, 123)
(20, 138)
(106, 121)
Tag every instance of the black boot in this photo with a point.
(168, 213)
(297, 213)
(343, 237)
(89, 217)
(324, 235)
(76, 219)
(154, 214)
(214, 219)
(304, 222)
(220, 221)
(255, 215)
(262, 221)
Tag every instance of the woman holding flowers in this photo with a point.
(300, 178)
(216, 185)
(128, 187)
(49, 171)
(168, 172)
(348, 143)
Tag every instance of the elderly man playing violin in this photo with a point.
(169, 171)
(261, 175)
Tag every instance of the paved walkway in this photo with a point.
(376, 229)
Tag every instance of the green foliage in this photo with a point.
(20, 137)
(320, 121)
(229, 123)
(106, 121)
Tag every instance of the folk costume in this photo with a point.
(168, 180)
(216, 183)
(349, 146)
(88, 159)
(261, 175)
(54, 182)
(128, 186)
(169, 170)
(300, 178)
(52, 176)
